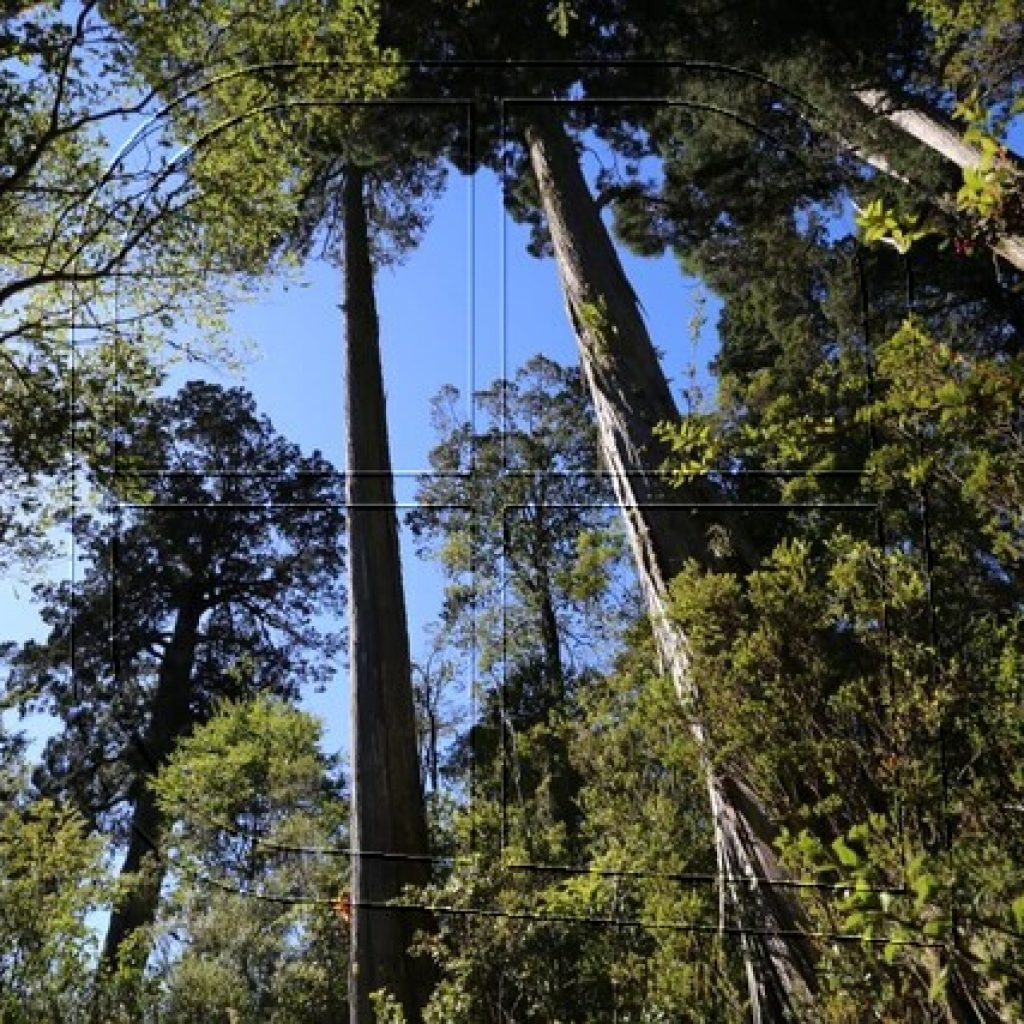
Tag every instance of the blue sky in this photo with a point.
(453, 313)
(467, 303)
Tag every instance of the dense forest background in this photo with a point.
(654, 653)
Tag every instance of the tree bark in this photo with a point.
(966, 999)
(631, 396)
(930, 129)
(562, 780)
(551, 642)
(170, 719)
(388, 814)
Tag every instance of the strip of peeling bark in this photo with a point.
(932, 130)
(631, 396)
(388, 813)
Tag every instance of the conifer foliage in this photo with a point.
(743, 732)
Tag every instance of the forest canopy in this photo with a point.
(666, 666)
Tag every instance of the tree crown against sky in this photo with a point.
(520, 486)
(233, 518)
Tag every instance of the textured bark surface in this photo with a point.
(387, 801)
(631, 396)
(170, 720)
(933, 131)
(965, 999)
(551, 642)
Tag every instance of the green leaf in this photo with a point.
(847, 857)
(1017, 906)
(937, 989)
(925, 886)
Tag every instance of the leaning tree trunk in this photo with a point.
(388, 823)
(631, 396)
(930, 129)
(169, 720)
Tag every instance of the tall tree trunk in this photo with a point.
(170, 719)
(562, 780)
(931, 129)
(388, 813)
(551, 643)
(631, 395)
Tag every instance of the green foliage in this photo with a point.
(978, 43)
(589, 576)
(992, 194)
(100, 259)
(52, 877)
(833, 664)
(597, 771)
(561, 15)
(558, 955)
(273, 106)
(252, 772)
(386, 1009)
(600, 327)
(249, 792)
(259, 586)
(794, 653)
(840, 663)
(207, 991)
(526, 492)
(693, 444)
(877, 223)
(956, 414)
